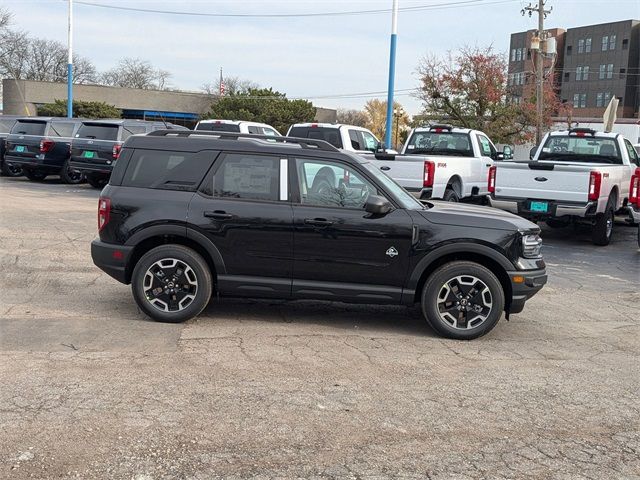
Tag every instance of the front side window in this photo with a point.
(485, 146)
(633, 155)
(248, 177)
(270, 132)
(370, 142)
(572, 148)
(330, 184)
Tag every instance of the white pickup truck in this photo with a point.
(345, 137)
(575, 176)
(443, 162)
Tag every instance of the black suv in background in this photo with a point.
(96, 146)
(41, 147)
(6, 124)
(187, 214)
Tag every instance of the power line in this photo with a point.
(435, 6)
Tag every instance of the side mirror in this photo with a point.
(507, 152)
(377, 205)
(532, 152)
(500, 156)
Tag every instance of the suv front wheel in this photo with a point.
(171, 283)
(462, 300)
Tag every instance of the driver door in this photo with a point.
(340, 250)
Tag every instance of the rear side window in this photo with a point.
(247, 176)
(356, 140)
(5, 125)
(254, 130)
(98, 131)
(62, 129)
(127, 131)
(331, 135)
(218, 127)
(167, 170)
(24, 127)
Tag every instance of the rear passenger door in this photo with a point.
(243, 208)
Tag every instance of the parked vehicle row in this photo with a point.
(283, 217)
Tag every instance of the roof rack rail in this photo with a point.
(303, 142)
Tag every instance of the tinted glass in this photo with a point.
(61, 129)
(98, 131)
(5, 125)
(330, 184)
(271, 132)
(356, 143)
(443, 143)
(581, 149)
(406, 199)
(249, 177)
(633, 155)
(331, 135)
(370, 142)
(485, 146)
(167, 170)
(128, 130)
(23, 127)
(218, 127)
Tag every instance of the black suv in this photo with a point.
(96, 146)
(187, 214)
(6, 124)
(41, 147)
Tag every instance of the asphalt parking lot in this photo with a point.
(92, 389)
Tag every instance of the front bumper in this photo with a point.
(111, 259)
(555, 210)
(524, 285)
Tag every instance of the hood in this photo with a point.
(452, 213)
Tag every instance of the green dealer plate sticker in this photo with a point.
(89, 154)
(539, 207)
(19, 148)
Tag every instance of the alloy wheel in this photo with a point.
(464, 302)
(170, 285)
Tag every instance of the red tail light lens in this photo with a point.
(46, 145)
(104, 212)
(634, 188)
(115, 153)
(491, 181)
(429, 173)
(595, 181)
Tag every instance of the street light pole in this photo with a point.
(70, 64)
(392, 73)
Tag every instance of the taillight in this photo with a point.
(104, 212)
(491, 181)
(595, 181)
(634, 188)
(46, 145)
(115, 153)
(429, 173)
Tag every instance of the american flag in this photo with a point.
(221, 84)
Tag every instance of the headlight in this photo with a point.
(531, 245)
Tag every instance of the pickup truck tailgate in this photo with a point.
(543, 180)
(407, 171)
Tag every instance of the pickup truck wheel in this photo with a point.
(70, 175)
(171, 283)
(462, 300)
(450, 195)
(10, 170)
(34, 175)
(603, 228)
(97, 181)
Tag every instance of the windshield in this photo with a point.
(23, 127)
(406, 199)
(439, 143)
(571, 148)
(98, 131)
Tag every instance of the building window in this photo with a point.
(513, 54)
(599, 100)
(578, 74)
(625, 44)
(567, 75)
(582, 73)
(612, 42)
(610, 70)
(518, 55)
(581, 46)
(576, 100)
(605, 43)
(583, 100)
(607, 98)
(528, 54)
(622, 72)
(602, 72)
(569, 49)
(587, 45)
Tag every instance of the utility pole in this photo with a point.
(539, 41)
(392, 73)
(70, 64)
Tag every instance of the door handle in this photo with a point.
(487, 164)
(218, 215)
(318, 222)
(385, 168)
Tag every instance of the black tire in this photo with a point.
(70, 175)
(450, 195)
(34, 175)
(97, 181)
(10, 170)
(555, 223)
(603, 228)
(200, 273)
(440, 283)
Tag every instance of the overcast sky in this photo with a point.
(311, 57)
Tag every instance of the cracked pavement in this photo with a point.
(89, 388)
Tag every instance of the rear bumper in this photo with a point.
(111, 259)
(634, 212)
(420, 193)
(522, 291)
(556, 209)
(91, 167)
(39, 162)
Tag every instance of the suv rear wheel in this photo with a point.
(10, 170)
(70, 175)
(462, 300)
(97, 181)
(34, 175)
(171, 283)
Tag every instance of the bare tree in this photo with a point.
(232, 86)
(136, 73)
(352, 117)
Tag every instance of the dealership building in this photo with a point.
(22, 97)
